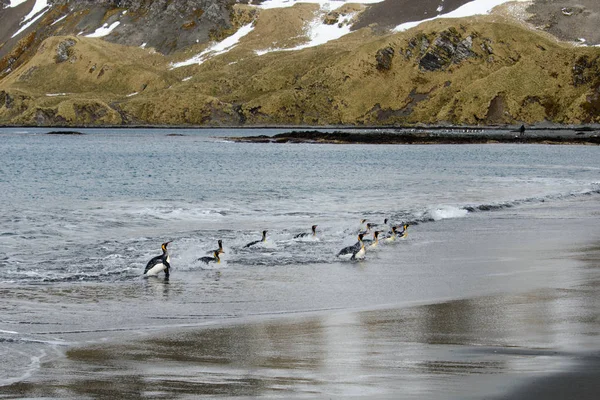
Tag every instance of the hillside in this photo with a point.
(223, 63)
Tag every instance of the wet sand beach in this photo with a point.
(501, 307)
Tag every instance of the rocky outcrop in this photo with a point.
(586, 70)
(384, 58)
(64, 51)
(438, 53)
(165, 25)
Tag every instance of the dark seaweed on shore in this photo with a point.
(412, 138)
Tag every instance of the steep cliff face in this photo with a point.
(221, 62)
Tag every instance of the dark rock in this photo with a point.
(497, 110)
(585, 70)
(64, 51)
(448, 47)
(47, 116)
(384, 58)
(6, 100)
(463, 50)
(64, 133)
(165, 25)
(425, 137)
(27, 74)
(487, 47)
(332, 18)
(432, 62)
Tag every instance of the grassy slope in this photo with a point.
(529, 77)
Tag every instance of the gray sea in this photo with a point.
(82, 215)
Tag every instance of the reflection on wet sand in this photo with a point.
(455, 349)
(487, 346)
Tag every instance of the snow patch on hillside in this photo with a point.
(104, 30)
(316, 30)
(37, 7)
(324, 4)
(217, 48)
(477, 7)
(60, 19)
(14, 3)
(320, 33)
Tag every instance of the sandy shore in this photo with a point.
(525, 335)
(463, 349)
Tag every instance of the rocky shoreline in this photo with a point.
(426, 137)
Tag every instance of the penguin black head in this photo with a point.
(360, 237)
(314, 228)
(164, 246)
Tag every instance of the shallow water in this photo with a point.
(83, 215)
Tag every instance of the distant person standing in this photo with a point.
(522, 131)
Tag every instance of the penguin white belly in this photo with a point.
(346, 256)
(360, 254)
(158, 268)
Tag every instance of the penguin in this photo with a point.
(264, 239)
(305, 234)
(404, 232)
(220, 249)
(372, 243)
(214, 259)
(355, 251)
(368, 229)
(391, 236)
(159, 263)
(362, 227)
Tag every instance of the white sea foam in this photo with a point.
(447, 212)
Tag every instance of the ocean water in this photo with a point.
(82, 215)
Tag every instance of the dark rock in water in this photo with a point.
(65, 133)
(425, 137)
(176, 134)
(384, 58)
(585, 129)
